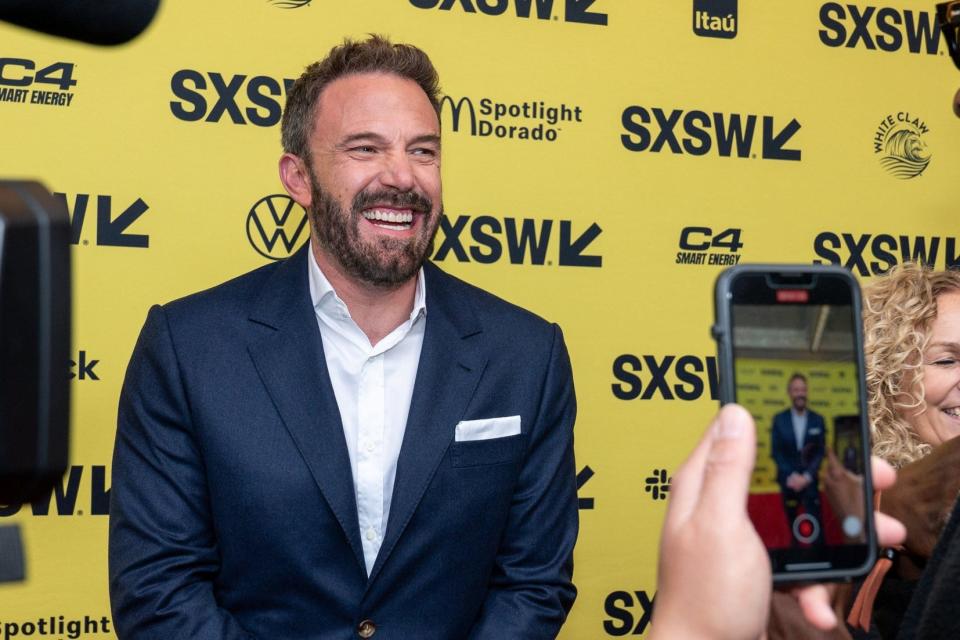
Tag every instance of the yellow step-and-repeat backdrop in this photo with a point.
(603, 160)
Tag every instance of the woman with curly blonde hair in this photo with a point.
(911, 321)
(908, 315)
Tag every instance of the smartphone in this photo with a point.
(790, 350)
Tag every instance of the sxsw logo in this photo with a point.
(276, 226)
(212, 97)
(628, 612)
(577, 11)
(874, 254)
(715, 18)
(668, 377)
(883, 28)
(65, 498)
(111, 228)
(486, 239)
(697, 133)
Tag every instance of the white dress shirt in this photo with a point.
(799, 427)
(373, 386)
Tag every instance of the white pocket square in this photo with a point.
(487, 428)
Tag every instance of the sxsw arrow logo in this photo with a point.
(577, 12)
(583, 477)
(574, 10)
(773, 144)
(517, 240)
(111, 230)
(699, 133)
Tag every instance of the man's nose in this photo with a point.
(398, 172)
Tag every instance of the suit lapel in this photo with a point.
(451, 363)
(288, 354)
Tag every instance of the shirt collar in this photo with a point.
(326, 301)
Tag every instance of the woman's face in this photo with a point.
(938, 419)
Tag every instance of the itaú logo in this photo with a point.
(276, 226)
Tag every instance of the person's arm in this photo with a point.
(530, 591)
(162, 550)
(712, 561)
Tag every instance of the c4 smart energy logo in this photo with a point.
(708, 246)
(578, 11)
(900, 146)
(715, 18)
(535, 120)
(33, 82)
(276, 226)
(879, 28)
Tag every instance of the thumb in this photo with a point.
(730, 461)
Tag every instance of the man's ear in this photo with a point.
(295, 177)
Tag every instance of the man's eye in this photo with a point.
(363, 148)
(424, 151)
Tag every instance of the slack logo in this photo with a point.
(715, 18)
(83, 368)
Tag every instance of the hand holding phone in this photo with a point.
(790, 350)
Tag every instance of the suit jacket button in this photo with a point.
(366, 629)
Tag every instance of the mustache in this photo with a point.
(400, 199)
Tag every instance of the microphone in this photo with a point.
(103, 22)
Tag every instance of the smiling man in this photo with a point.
(350, 443)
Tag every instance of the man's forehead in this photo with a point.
(373, 96)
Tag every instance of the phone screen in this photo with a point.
(796, 361)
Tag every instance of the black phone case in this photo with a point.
(722, 333)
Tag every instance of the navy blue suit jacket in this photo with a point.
(232, 506)
(789, 459)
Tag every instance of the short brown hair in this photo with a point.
(373, 55)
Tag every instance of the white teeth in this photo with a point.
(395, 227)
(388, 216)
(954, 411)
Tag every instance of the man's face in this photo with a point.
(375, 177)
(797, 389)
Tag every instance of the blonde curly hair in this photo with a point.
(899, 308)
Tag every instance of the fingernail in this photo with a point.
(729, 429)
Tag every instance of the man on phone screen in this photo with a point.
(798, 443)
